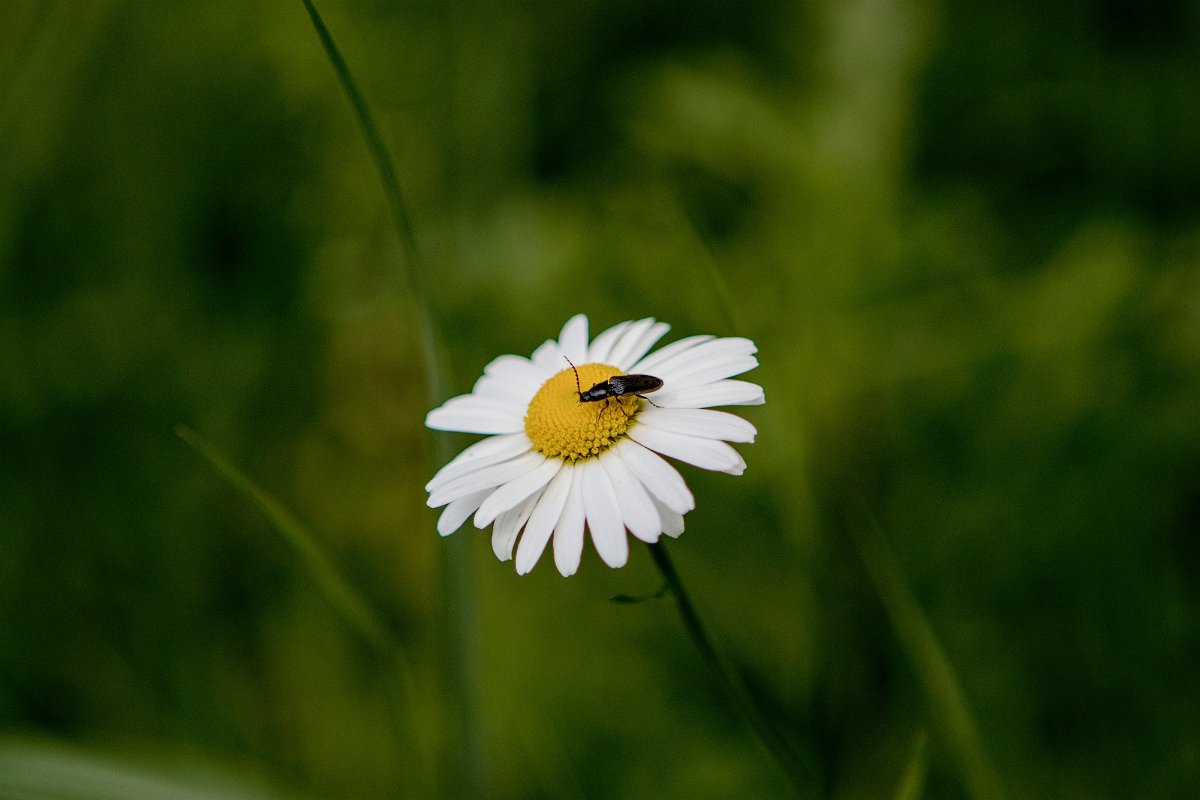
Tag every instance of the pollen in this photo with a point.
(560, 425)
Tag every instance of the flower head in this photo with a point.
(574, 440)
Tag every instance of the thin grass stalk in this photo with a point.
(936, 673)
(461, 667)
(355, 610)
(412, 267)
(912, 783)
(353, 607)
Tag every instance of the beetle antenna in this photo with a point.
(578, 390)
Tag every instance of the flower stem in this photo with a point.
(731, 686)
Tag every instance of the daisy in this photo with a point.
(553, 464)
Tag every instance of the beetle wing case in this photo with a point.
(634, 384)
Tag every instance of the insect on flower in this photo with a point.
(618, 386)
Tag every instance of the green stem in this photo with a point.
(731, 686)
(414, 275)
(461, 667)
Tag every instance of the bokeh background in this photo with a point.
(963, 562)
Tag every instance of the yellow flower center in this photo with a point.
(560, 425)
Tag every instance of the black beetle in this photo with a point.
(618, 386)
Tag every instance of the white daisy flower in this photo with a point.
(553, 463)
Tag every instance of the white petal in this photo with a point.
(634, 349)
(568, 532)
(548, 359)
(515, 369)
(487, 478)
(573, 341)
(545, 516)
(637, 509)
(508, 524)
(470, 414)
(650, 363)
(720, 393)
(457, 511)
(703, 453)
(672, 523)
(483, 453)
(599, 350)
(699, 422)
(708, 362)
(627, 341)
(717, 370)
(660, 479)
(504, 390)
(513, 492)
(603, 514)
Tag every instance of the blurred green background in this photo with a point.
(966, 237)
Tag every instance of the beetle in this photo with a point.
(618, 386)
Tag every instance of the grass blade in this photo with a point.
(933, 668)
(35, 770)
(461, 656)
(912, 784)
(414, 274)
(356, 611)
